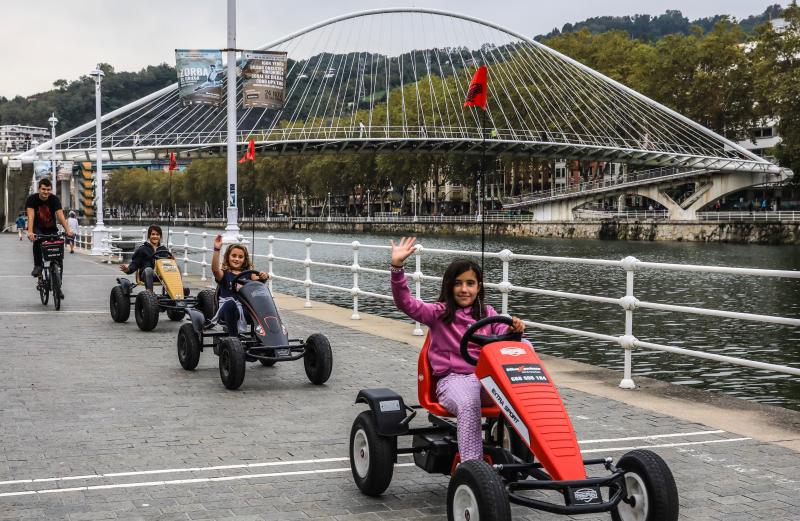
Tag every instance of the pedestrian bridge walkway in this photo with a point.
(99, 421)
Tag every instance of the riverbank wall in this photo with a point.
(743, 232)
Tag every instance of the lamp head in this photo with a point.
(53, 120)
(97, 74)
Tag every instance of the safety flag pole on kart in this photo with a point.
(173, 164)
(250, 155)
(477, 96)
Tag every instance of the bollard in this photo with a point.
(418, 283)
(354, 291)
(185, 251)
(628, 341)
(307, 264)
(505, 286)
(270, 258)
(205, 249)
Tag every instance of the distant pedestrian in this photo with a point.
(73, 223)
(764, 205)
(750, 207)
(717, 206)
(20, 222)
(361, 128)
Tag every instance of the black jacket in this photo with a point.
(143, 257)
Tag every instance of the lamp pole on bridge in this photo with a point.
(99, 232)
(231, 234)
(53, 122)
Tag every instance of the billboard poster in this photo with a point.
(64, 170)
(200, 76)
(263, 79)
(41, 169)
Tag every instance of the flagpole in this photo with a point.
(480, 183)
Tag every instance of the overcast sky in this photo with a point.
(45, 40)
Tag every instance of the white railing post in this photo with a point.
(145, 238)
(354, 291)
(307, 264)
(418, 283)
(205, 249)
(169, 240)
(185, 251)
(270, 259)
(628, 341)
(505, 285)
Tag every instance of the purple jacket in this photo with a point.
(444, 352)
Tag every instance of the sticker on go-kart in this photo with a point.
(168, 266)
(508, 411)
(512, 351)
(390, 405)
(525, 374)
(586, 495)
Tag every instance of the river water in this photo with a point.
(752, 340)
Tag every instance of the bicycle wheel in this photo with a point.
(43, 287)
(55, 282)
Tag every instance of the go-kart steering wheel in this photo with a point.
(161, 254)
(482, 340)
(245, 273)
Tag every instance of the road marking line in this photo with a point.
(697, 433)
(311, 461)
(180, 481)
(54, 313)
(667, 445)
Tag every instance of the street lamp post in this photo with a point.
(99, 232)
(53, 122)
(34, 144)
(232, 229)
(368, 214)
(414, 200)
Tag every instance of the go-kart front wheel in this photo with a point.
(206, 303)
(371, 456)
(318, 359)
(476, 492)
(188, 347)
(120, 304)
(652, 493)
(231, 362)
(146, 310)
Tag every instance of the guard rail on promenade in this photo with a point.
(199, 254)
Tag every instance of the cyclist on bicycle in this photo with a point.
(143, 261)
(44, 210)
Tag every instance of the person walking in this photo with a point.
(20, 223)
(73, 224)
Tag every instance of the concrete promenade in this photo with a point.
(99, 421)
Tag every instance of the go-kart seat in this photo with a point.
(426, 387)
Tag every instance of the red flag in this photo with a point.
(250, 155)
(173, 164)
(478, 89)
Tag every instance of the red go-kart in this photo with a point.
(531, 453)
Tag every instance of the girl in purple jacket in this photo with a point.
(460, 304)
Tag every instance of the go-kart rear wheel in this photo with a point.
(231, 362)
(188, 347)
(371, 456)
(476, 493)
(652, 493)
(146, 310)
(120, 304)
(206, 303)
(176, 315)
(318, 360)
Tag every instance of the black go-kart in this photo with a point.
(533, 455)
(174, 298)
(266, 341)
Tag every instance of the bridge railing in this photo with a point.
(754, 216)
(193, 249)
(636, 215)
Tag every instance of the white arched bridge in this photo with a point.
(389, 80)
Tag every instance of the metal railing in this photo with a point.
(626, 215)
(754, 216)
(199, 255)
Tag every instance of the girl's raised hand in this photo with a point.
(218, 242)
(402, 250)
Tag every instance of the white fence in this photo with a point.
(268, 249)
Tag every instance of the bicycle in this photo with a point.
(51, 277)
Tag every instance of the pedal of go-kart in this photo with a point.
(515, 378)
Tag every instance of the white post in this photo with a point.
(169, 240)
(329, 207)
(414, 200)
(480, 203)
(53, 121)
(185, 251)
(418, 284)
(307, 282)
(270, 257)
(205, 249)
(505, 285)
(628, 340)
(354, 291)
(99, 233)
(369, 219)
(232, 229)
(267, 208)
